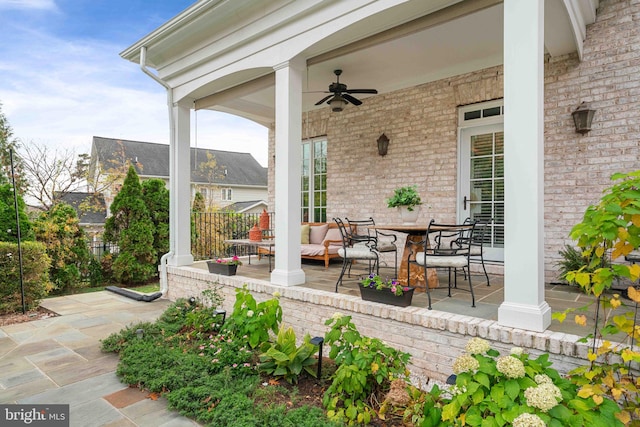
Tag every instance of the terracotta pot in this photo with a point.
(264, 220)
(255, 234)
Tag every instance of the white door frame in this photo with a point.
(475, 119)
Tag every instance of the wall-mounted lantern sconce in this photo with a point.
(582, 117)
(383, 145)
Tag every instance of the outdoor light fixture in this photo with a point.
(216, 313)
(318, 341)
(139, 333)
(337, 103)
(192, 300)
(383, 145)
(582, 117)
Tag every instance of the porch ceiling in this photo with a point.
(392, 49)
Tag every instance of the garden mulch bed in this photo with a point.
(36, 314)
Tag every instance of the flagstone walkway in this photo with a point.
(58, 360)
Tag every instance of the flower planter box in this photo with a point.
(386, 297)
(223, 269)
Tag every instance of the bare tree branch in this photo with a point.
(50, 172)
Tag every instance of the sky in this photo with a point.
(62, 80)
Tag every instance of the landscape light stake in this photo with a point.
(318, 341)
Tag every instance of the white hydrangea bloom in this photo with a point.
(528, 420)
(477, 346)
(465, 363)
(517, 351)
(543, 397)
(510, 366)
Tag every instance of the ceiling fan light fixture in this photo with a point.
(337, 103)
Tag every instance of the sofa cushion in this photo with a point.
(334, 235)
(317, 233)
(317, 250)
(304, 234)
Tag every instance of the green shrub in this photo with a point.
(35, 269)
(8, 230)
(59, 230)
(283, 358)
(500, 390)
(253, 320)
(131, 227)
(366, 368)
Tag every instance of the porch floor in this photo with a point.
(488, 298)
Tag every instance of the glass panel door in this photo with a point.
(482, 183)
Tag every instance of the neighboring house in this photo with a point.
(475, 96)
(91, 210)
(236, 177)
(251, 206)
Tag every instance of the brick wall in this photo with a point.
(421, 123)
(433, 338)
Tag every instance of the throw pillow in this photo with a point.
(304, 234)
(334, 235)
(317, 233)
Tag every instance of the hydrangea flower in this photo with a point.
(477, 346)
(465, 363)
(510, 367)
(517, 351)
(528, 420)
(544, 396)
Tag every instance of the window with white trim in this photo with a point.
(314, 180)
(226, 195)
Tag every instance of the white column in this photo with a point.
(524, 305)
(180, 187)
(288, 134)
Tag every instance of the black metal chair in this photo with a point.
(481, 233)
(355, 247)
(444, 246)
(384, 242)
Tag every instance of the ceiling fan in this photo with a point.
(340, 95)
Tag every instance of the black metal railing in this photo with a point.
(210, 230)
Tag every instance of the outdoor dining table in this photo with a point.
(416, 233)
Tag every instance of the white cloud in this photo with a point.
(28, 4)
(62, 93)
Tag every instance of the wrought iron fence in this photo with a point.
(210, 230)
(98, 249)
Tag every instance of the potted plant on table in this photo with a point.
(374, 288)
(224, 266)
(408, 201)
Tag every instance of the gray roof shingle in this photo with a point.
(152, 160)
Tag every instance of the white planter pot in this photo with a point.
(409, 217)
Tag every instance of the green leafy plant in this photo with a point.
(517, 390)
(610, 229)
(366, 368)
(374, 281)
(252, 319)
(405, 196)
(283, 358)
